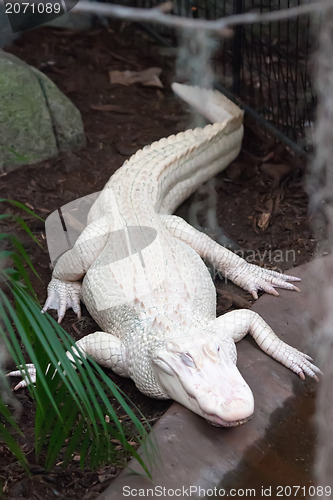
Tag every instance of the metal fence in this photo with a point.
(267, 66)
(271, 69)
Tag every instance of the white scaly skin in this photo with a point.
(156, 304)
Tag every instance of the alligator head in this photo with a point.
(201, 374)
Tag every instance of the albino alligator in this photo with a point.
(146, 285)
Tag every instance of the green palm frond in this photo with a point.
(8, 425)
(74, 413)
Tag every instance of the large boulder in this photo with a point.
(36, 120)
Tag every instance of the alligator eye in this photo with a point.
(187, 359)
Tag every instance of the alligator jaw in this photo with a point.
(216, 421)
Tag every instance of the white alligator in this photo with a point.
(146, 285)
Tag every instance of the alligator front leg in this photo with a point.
(237, 324)
(106, 349)
(64, 288)
(248, 276)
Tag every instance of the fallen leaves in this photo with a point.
(148, 78)
(263, 220)
(276, 171)
(110, 107)
(227, 300)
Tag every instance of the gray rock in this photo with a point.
(36, 120)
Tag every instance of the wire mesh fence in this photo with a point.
(267, 66)
(272, 69)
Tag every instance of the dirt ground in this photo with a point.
(262, 204)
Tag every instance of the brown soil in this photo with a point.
(263, 187)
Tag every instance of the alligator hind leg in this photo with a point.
(248, 276)
(237, 324)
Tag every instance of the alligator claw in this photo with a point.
(307, 368)
(61, 296)
(299, 363)
(254, 278)
(28, 373)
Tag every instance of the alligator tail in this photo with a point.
(213, 105)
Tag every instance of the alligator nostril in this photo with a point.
(187, 359)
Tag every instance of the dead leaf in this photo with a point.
(263, 220)
(76, 330)
(132, 443)
(276, 171)
(229, 299)
(224, 300)
(110, 107)
(148, 77)
(269, 156)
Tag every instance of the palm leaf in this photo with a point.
(21, 206)
(7, 431)
(72, 400)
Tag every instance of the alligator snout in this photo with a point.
(224, 408)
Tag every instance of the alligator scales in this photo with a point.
(156, 305)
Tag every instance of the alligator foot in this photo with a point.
(254, 278)
(298, 362)
(28, 376)
(61, 296)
